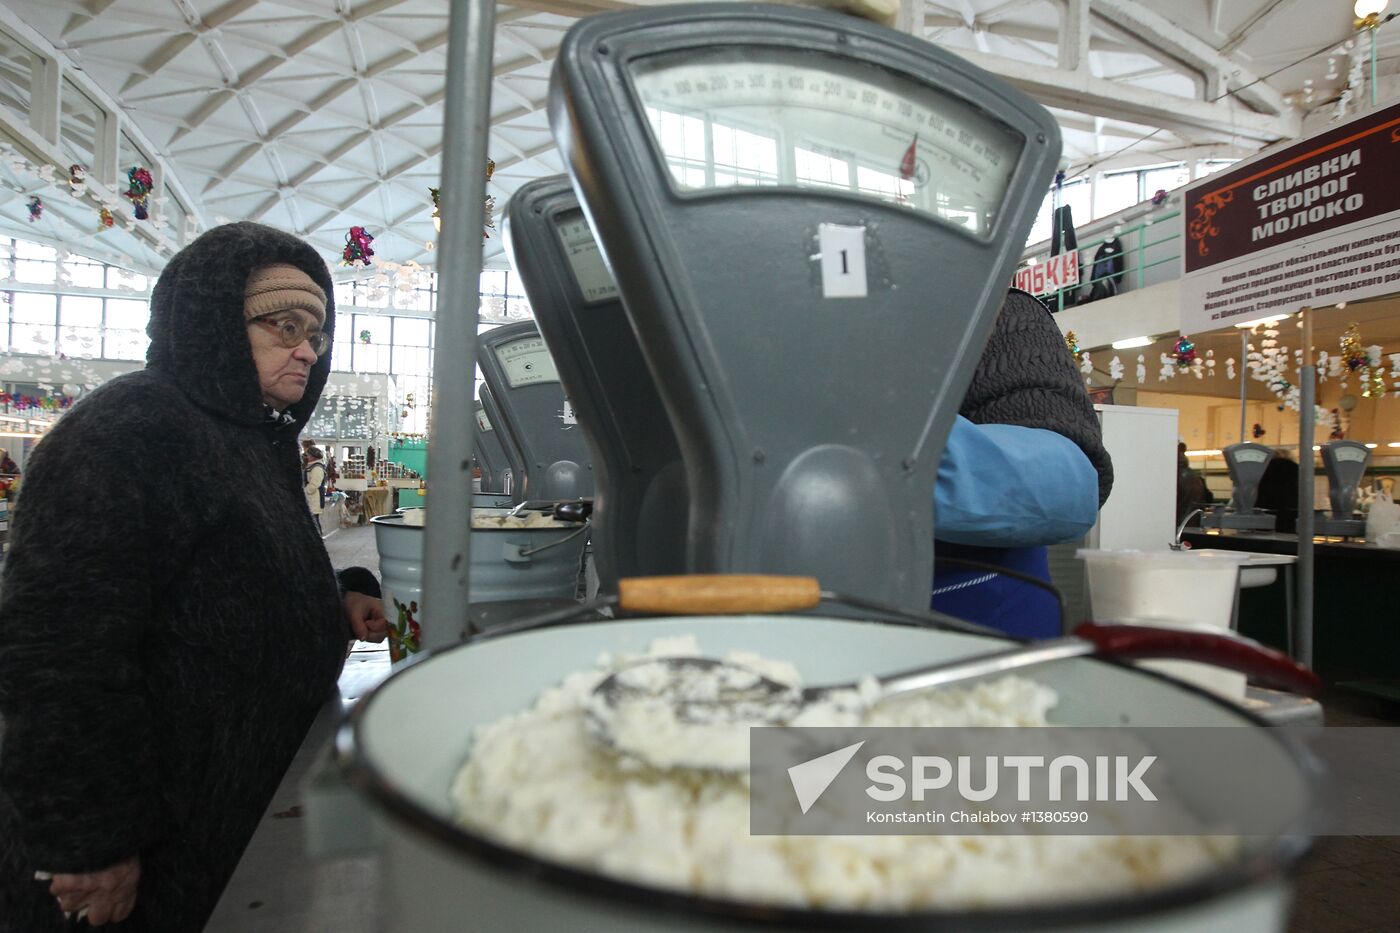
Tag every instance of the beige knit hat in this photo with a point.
(281, 287)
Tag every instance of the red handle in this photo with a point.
(1132, 642)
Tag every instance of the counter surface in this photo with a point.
(277, 887)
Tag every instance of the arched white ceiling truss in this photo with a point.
(316, 115)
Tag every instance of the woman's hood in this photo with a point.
(199, 338)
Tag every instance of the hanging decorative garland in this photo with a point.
(357, 247)
(365, 336)
(1363, 362)
(105, 219)
(77, 179)
(1072, 341)
(36, 208)
(138, 190)
(36, 402)
(1185, 351)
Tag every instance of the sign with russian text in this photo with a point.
(1050, 275)
(1313, 224)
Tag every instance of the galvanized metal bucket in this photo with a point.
(507, 564)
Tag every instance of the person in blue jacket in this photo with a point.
(1024, 467)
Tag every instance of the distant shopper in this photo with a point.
(159, 668)
(7, 466)
(315, 477)
(1278, 490)
(1191, 489)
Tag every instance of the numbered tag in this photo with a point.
(567, 415)
(843, 261)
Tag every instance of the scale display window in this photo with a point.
(760, 115)
(526, 361)
(594, 280)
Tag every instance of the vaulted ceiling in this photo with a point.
(316, 115)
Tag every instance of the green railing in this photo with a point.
(1141, 253)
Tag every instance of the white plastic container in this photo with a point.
(1171, 588)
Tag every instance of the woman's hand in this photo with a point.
(108, 896)
(366, 615)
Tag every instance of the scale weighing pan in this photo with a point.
(1246, 464)
(489, 454)
(534, 416)
(640, 503)
(812, 221)
(1345, 463)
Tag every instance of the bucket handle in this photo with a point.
(717, 594)
(527, 553)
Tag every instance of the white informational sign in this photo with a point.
(843, 261)
(1050, 274)
(1311, 225)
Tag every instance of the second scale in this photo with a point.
(812, 222)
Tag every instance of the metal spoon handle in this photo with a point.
(983, 665)
(1123, 642)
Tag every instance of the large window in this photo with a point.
(17, 67)
(502, 298)
(1112, 192)
(81, 125)
(61, 303)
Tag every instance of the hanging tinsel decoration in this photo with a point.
(365, 336)
(36, 208)
(1257, 430)
(138, 190)
(1185, 351)
(357, 247)
(1072, 341)
(105, 219)
(77, 179)
(1353, 356)
(489, 207)
(437, 207)
(1159, 196)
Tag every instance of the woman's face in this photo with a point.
(282, 371)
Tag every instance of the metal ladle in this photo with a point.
(709, 692)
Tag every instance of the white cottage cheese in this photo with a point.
(538, 780)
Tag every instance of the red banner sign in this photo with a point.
(1050, 275)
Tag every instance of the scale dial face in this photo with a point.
(1250, 456)
(590, 272)
(1352, 454)
(526, 361)
(765, 115)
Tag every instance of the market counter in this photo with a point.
(277, 888)
(1354, 633)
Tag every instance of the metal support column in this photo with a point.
(1307, 400)
(1244, 380)
(446, 539)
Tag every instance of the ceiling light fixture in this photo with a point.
(1368, 17)
(1131, 343)
(1368, 12)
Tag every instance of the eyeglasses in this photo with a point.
(292, 333)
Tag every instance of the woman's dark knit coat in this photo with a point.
(169, 621)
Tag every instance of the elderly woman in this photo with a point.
(159, 665)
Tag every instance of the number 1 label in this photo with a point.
(843, 260)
